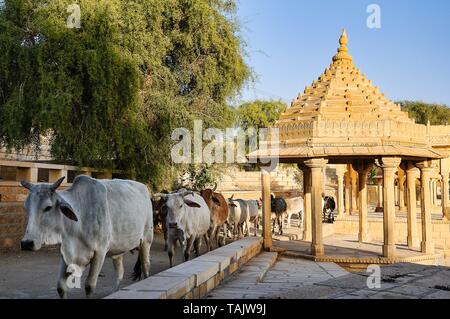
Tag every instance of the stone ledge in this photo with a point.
(195, 278)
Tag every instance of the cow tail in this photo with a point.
(137, 270)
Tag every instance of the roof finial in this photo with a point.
(343, 51)
(344, 39)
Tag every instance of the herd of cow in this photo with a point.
(94, 219)
(188, 217)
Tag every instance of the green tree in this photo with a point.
(111, 92)
(422, 112)
(259, 114)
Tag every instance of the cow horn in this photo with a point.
(58, 183)
(215, 187)
(232, 196)
(186, 193)
(162, 195)
(26, 184)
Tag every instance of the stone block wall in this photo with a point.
(12, 225)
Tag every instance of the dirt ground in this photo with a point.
(34, 274)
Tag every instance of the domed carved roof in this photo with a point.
(342, 114)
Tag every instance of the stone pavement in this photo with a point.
(304, 279)
(399, 281)
(287, 275)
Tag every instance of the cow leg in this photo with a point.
(280, 224)
(94, 270)
(212, 237)
(273, 226)
(187, 251)
(247, 228)
(144, 256)
(198, 244)
(62, 280)
(170, 251)
(239, 231)
(225, 232)
(215, 239)
(118, 266)
(164, 227)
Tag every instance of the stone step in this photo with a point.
(255, 270)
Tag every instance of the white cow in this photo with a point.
(255, 213)
(294, 207)
(239, 217)
(188, 220)
(91, 220)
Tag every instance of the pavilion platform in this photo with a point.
(346, 251)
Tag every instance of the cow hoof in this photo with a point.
(89, 292)
(62, 294)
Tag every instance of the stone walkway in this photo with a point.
(286, 276)
(304, 279)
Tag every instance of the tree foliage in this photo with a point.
(436, 114)
(111, 92)
(259, 114)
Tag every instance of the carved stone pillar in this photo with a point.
(426, 171)
(348, 191)
(390, 166)
(340, 171)
(445, 195)
(266, 218)
(363, 169)
(306, 202)
(354, 198)
(379, 208)
(401, 189)
(411, 176)
(316, 165)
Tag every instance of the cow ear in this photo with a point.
(216, 200)
(67, 209)
(191, 203)
(26, 184)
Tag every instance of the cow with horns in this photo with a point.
(91, 219)
(188, 220)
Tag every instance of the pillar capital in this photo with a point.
(425, 165)
(390, 162)
(341, 170)
(411, 168)
(316, 163)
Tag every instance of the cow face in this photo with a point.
(175, 206)
(44, 207)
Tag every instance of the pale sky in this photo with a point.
(291, 42)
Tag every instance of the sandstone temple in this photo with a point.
(344, 121)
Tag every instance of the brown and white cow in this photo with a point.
(219, 214)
